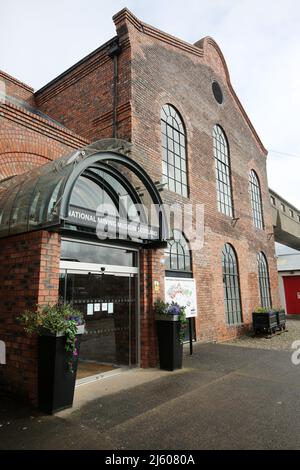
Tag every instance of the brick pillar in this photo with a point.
(29, 274)
(151, 288)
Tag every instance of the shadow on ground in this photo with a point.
(226, 397)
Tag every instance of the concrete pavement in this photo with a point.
(226, 397)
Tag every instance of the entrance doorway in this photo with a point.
(107, 297)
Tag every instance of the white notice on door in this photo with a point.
(90, 309)
(110, 307)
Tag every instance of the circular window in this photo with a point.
(217, 92)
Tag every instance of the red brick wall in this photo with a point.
(164, 71)
(151, 273)
(155, 69)
(16, 89)
(82, 98)
(27, 141)
(29, 275)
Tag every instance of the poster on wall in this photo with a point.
(183, 292)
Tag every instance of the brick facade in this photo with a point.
(151, 274)
(28, 140)
(82, 99)
(90, 102)
(167, 70)
(164, 73)
(29, 276)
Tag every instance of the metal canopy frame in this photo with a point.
(41, 197)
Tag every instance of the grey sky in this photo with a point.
(259, 38)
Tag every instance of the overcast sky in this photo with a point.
(260, 39)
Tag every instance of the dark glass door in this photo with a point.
(108, 303)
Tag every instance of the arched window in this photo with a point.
(223, 176)
(264, 281)
(231, 283)
(177, 254)
(256, 204)
(174, 150)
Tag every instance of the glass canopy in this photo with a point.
(97, 174)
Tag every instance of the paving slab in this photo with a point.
(225, 397)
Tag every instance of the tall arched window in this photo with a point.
(174, 150)
(256, 204)
(177, 253)
(231, 283)
(264, 281)
(223, 175)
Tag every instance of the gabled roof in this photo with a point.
(202, 49)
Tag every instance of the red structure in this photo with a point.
(292, 294)
(175, 105)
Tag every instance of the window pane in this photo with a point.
(264, 281)
(231, 286)
(256, 203)
(222, 164)
(181, 263)
(178, 187)
(178, 256)
(171, 184)
(177, 161)
(183, 178)
(174, 262)
(171, 171)
(177, 174)
(174, 153)
(164, 140)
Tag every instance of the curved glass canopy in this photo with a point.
(99, 175)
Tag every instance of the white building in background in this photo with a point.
(288, 262)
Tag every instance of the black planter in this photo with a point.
(281, 320)
(56, 383)
(264, 322)
(169, 346)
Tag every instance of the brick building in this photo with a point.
(143, 112)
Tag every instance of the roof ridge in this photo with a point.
(12, 79)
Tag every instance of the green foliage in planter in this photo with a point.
(170, 309)
(278, 309)
(267, 310)
(262, 310)
(57, 318)
(161, 307)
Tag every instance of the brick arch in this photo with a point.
(164, 98)
(16, 163)
(27, 147)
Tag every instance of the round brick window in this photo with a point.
(217, 92)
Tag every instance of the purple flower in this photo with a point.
(77, 319)
(174, 309)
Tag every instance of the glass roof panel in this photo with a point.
(41, 197)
